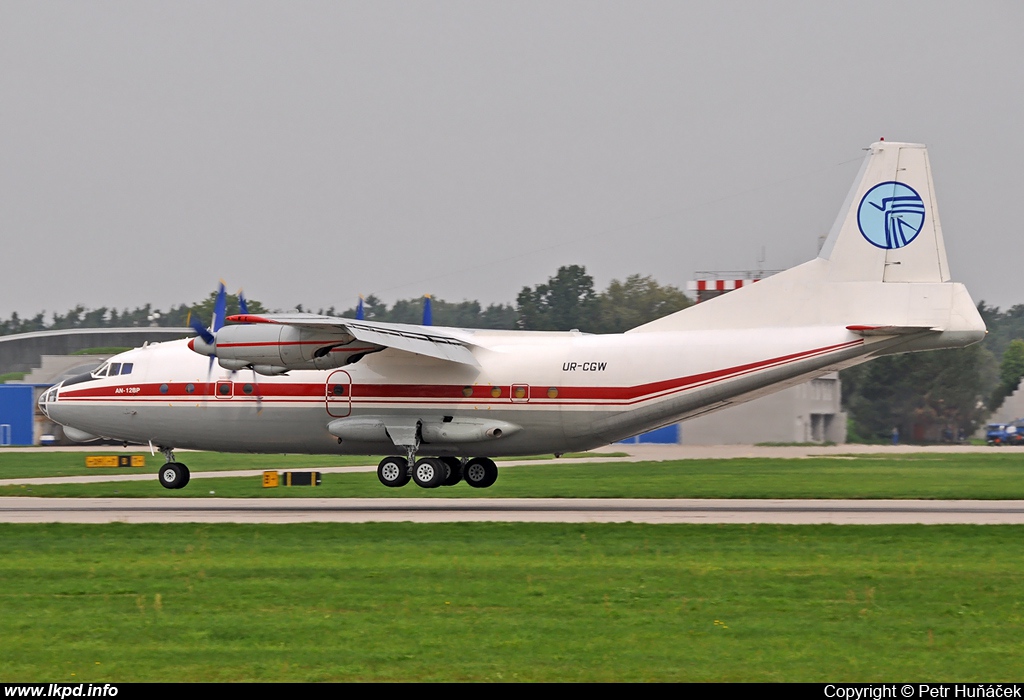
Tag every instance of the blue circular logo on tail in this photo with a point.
(891, 215)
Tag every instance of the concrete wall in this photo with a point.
(810, 412)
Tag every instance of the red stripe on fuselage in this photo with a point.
(441, 393)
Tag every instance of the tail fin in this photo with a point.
(892, 208)
(882, 266)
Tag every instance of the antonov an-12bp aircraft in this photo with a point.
(444, 401)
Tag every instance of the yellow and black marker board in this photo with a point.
(271, 480)
(116, 461)
(302, 478)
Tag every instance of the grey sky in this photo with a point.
(314, 151)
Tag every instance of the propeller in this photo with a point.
(428, 314)
(360, 312)
(207, 334)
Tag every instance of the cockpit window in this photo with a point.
(112, 369)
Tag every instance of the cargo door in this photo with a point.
(338, 394)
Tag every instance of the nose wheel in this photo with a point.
(174, 475)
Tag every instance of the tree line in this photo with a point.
(926, 396)
(939, 395)
(567, 300)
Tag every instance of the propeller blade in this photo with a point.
(360, 313)
(201, 331)
(209, 373)
(243, 307)
(219, 309)
(259, 394)
(428, 314)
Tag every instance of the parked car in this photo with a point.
(1005, 433)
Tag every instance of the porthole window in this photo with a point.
(520, 392)
(164, 388)
(495, 392)
(189, 388)
(247, 388)
(224, 388)
(552, 393)
(338, 389)
(467, 391)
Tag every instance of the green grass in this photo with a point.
(12, 377)
(944, 476)
(501, 602)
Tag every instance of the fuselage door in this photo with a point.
(338, 393)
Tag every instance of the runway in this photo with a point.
(582, 510)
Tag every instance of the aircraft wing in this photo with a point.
(448, 344)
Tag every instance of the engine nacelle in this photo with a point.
(276, 348)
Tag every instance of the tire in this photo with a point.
(186, 475)
(393, 471)
(480, 472)
(454, 465)
(429, 472)
(172, 476)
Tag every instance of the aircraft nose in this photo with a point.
(49, 397)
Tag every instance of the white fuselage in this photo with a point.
(459, 392)
(562, 391)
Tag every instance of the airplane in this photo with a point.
(443, 402)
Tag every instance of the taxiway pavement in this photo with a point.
(563, 510)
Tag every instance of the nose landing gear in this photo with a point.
(173, 475)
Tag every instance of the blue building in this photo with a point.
(16, 414)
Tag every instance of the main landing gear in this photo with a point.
(432, 472)
(173, 475)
